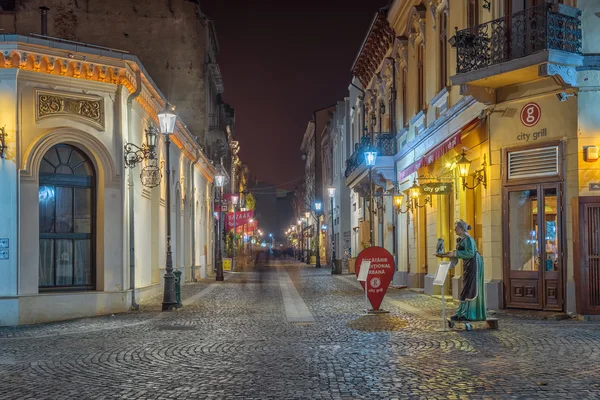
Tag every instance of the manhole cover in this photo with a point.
(378, 323)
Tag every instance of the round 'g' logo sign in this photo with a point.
(531, 114)
(375, 282)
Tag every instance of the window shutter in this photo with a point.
(533, 163)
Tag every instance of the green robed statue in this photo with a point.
(472, 300)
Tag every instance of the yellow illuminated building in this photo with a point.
(512, 92)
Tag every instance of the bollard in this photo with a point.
(178, 287)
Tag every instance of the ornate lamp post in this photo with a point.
(370, 158)
(167, 119)
(307, 218)
(334, 270)
(220, 182)
(150, 176)
(319, 212)
(300, 239)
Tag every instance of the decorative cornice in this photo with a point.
(375, 46)
(415, 27)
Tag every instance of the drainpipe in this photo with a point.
(44, 14)
(192, 169)
(132, 96)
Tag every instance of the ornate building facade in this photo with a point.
(80, 235)
(486, 118)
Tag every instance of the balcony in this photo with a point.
(520, 47)
(386, 150)
(214, 122)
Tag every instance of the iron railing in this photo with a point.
(385, 144)
(538, 28)
(214, 121)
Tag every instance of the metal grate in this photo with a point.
(533, 163)
(593, 278)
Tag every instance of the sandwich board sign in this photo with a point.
(380, 267)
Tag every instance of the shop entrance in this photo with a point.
(533, 262)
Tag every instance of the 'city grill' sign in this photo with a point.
(436, 188)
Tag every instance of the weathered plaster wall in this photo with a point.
(168, 37)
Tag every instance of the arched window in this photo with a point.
(66, 220)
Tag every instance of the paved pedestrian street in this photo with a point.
(294, 331)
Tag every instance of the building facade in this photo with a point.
(81, 234)
(487, 120)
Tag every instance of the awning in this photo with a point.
(434, 154)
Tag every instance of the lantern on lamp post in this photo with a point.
(318, 212)
(220, 182)
(167, 119)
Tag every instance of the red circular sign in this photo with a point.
(531, 114)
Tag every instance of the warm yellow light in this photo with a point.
(415, 190)
(398, 199)
(463, 166)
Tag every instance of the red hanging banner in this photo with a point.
(241, 218)
(381, 273)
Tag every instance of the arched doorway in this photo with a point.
(66, 220)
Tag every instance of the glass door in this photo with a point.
(532, 235)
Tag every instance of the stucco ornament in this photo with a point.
(563, 74)
(88, 109)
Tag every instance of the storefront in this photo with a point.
(532, 148)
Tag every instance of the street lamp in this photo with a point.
(306, 221)
(272, 239)
(234, 201)
(300, 239)
(370, 158)
(415, 192)
(167, 119)
(220, 182)
(318, 211)
(463, 170)
(334, 270)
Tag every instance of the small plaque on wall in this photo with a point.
(3, 254)
(595, 186)
(4, 243)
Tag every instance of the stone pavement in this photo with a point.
(293, 331)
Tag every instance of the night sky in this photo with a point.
(280, 60)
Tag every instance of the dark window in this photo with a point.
(421, 83)
(443, 50)
(472, 13)
(7, 5)
(66, 211)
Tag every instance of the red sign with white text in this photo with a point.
(380, 274)
(249, 228)
(530, 114)
(241, 218)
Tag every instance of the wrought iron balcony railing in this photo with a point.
(543, 27)
(214, 122)
(386, 146)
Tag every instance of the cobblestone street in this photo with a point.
(293, 331)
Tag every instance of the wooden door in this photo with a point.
(587, 255)
(533, 237)
(523, 277)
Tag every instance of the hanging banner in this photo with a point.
(381, 272)
(224, 205)
(241, 218)
(250, 227)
